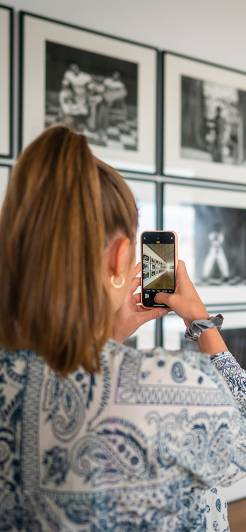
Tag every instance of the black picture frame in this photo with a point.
(233, 332)
(149, 137)
(217, 161)
(227, 204)
(6, 126)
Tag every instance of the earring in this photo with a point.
(117, 285)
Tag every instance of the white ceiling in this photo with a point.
(214, 30)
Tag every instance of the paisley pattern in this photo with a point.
(234, 375)
(65, 407)
(142, 446)
(178, 372)
(114, 455)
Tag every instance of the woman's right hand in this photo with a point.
(188, 305)
(185, 301)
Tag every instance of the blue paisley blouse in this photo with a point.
(143, 446)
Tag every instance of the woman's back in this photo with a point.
(134, 448)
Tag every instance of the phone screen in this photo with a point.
(158, 265)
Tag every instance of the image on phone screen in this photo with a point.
(158, 265)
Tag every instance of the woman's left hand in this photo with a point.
(132, 314)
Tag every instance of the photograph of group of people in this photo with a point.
(213, 122)
(93, 94)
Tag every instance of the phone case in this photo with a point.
(175, 263)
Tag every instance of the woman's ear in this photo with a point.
(119, 256)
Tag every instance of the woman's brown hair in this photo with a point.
(61, 208)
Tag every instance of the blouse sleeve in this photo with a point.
(194, 426)
(234, 376)
(208, 441)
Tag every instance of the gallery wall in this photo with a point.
(206, 30)
(213, 31)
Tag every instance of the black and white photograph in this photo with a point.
(94, 94)
(233, 332)
(205, 120)
(6, 82)
(4, 179)
(218, 257)
(213, 122)
(95, 84)
(212, 241)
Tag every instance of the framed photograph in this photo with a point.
(145, 195)
(100, 85)
(4, 178)
(204, 120)
(6, 82)
(211, 225)
(233, 332)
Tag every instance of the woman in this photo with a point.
(96, 436)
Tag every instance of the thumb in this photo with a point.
(162, 297)
(153, 314)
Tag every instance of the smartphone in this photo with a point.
(159, 257)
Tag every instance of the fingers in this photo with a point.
(135, 284)
(137, 298)
(161, 297)
(184, 284)
(182, 273)
(152, 314)
(181, 265)
(138, 268)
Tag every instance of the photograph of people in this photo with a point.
(95, 434)
(218, 127)
(219, 245)
(78, 81)
(93, 95)
(69, 110)
(213, 122)
(216, 255)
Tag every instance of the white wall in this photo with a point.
(213, 29)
